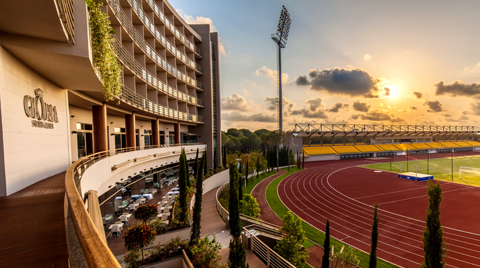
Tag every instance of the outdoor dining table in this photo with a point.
(148, 196)
(142, 200)
(133, 206)
(118, 223)
(160, 209)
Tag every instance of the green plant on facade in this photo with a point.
(104, 58)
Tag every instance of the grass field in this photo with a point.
(311, 232)
(440, 168)
(252, 182)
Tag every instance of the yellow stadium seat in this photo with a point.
(421, 146)
(405, 146)
(387, 147)
(449, 144)
(474, 143)
(367, 148)
(318, 150)
(345, 149)
(462, 144)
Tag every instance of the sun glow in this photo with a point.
(393, 91)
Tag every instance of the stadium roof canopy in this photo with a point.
(348, 130)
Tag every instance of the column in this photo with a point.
(130, 129)
(155, 133)
(177, 133)
(100, 135)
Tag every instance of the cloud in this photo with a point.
(272, 104)
(458, 88)
(413, 108)
(367, 57)
(475, 108)
(361, 106)
(460, 119)
(236, 102)
(435, 106)
(378, 115)
(260, 117)
(351, 82)
(312, 109)
(417, 94)
(336, 108)
(197, 20)
(221, 47)
(265, 71)
(472, 69)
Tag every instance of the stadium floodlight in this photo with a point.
(280, 38)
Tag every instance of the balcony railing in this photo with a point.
(145, 75)
(126, 23)
(65, 13)
(94, 248)
(170, 25)
(137, 100)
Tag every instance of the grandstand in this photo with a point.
(354, 141)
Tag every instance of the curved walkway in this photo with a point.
(33, 226)
(345, 194)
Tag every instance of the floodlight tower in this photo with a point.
(280, 39)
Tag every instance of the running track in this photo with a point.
(345, 194)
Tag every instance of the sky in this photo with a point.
(346, 61)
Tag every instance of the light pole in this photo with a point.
(280, 38)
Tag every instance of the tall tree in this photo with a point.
(185, 169)
(205, 165)
(258, 165)
(182, 183)
(433, 246)
(197, 211)
(195, 167)
(303, 160)
(240, 183)
(373, 249)
(236, 256)
(326, 246)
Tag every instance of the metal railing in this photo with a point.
(149, 78)
(130, 97)
(138, 38)
(95, 250)
(272, 258)
(65, 13)
(171, 26)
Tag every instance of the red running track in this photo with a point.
(345, 194)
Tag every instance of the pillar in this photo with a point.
(100, 135)
(177, 133)
(155, 133)
(130, 130)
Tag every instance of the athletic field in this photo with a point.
(440, 168)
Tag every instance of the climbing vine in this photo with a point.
(104, 59)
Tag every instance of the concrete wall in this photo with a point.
(100, 176)
(30, 154)
(313, 158)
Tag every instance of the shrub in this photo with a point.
(249, 206)
(224, 197)
(205, 254)
(145, 212)
(132, 259)
(158, 226)
(347, 258)
(290, 246)
(172, 248)
(138, 237)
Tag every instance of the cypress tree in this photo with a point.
(205, 166)
(236, 256)
(195, 167)
(303, 160)
(197, 211)
(258, 164)
(182, 183)
(240, 184)
(246, 171)
(373, 249)
(298, 160)
(326, 246)
(185, 169)
(433, 246)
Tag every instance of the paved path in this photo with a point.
(33, 226)
(258, 192)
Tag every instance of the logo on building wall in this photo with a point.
(43, 114)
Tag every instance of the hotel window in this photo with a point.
(162, 137)
(84, 134)
(120, 138)
(147, 137)
(171, 137)
(137, 137)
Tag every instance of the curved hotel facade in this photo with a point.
(52, 104)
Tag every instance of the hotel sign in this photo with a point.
(43, 114)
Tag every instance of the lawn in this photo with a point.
(440, 168)
(311, 232)
(252, 182)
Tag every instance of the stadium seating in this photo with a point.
(405, 146)
(345, 149)
(435, 145)
(421, 146)
(449, 144)
(474, 143)
(462, 144)
(387, 147)
(367, 148)
(318, 150)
